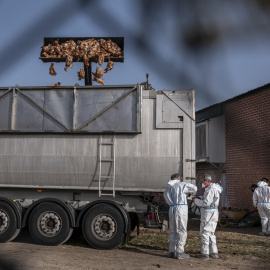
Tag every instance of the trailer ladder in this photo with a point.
(111, 172)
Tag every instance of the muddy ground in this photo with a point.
(23, 253)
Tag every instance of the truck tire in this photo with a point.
(103, 227)
(223, 222)
(49, 224)
(8, 223)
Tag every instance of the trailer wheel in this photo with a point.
(49, 224)
(8, 223)
(103, 227)
(223, 222)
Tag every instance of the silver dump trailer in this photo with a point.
(92, 157)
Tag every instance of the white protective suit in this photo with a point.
(209, 218)
(261, 200)
(176, 197)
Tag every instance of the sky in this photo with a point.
(219, 48)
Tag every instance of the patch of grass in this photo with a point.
(230, 243)
(245, 246)
(149, 239)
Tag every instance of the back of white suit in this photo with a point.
(176, 197)
(261, 200)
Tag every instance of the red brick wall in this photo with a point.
(247, 146)
(201, 170)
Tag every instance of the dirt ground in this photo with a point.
(23, 253)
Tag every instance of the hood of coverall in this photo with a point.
(218, 187)
(173, 182)
(261, 184)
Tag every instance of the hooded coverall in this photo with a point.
(209, 218)
(261, 200)
(175, 197)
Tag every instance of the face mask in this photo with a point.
(203, 185)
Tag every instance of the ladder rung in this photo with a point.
(106, 143)
(106, 177)
(102, 179)
(106, 160)
(107, 194)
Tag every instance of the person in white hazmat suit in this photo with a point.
(208, 204)
(176, 197)
(261, 200)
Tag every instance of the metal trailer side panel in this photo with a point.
(143, 162)
(70, 109)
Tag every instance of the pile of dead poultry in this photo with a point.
(86, 51)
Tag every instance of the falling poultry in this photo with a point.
(97, 75)
(51, 70)
(81, 74)
(110, 65)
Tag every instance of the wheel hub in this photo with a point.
(3, 221)
(50, 224)
(104, 226)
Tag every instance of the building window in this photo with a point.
(201, 152)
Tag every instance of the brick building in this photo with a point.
(233, 144)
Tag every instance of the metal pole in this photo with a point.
(88, 74)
